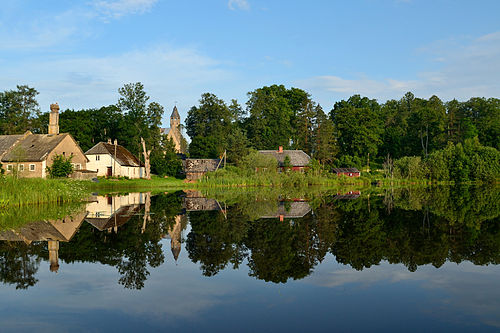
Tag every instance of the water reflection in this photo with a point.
(277, 237)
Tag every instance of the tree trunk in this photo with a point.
(147, 165)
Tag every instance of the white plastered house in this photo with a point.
(113, 160)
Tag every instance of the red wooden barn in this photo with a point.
(348, 172)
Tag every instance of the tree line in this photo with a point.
(353, 132)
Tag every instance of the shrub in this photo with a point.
(61, 167)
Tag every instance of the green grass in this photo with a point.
(155, 183)
(29, 191)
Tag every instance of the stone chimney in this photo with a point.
(109, 140)
(53, 247)
(116, 142)
(280, 149)
(54, 119)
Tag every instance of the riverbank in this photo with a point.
(32, 191)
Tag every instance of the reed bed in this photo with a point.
(233, 177)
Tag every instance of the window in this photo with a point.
(21, 167)
(97, 157)
(9, 167)
(78, 166)
(32, 167)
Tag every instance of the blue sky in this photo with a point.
(79, 53)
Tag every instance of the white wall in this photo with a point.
(105, 161)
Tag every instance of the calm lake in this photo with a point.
(405, 259)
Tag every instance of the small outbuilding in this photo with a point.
(299, 160)
(112, 160)
(195, 168)
(348, 172)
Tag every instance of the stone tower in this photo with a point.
(175, 132)
(54, 119)
(175, 120)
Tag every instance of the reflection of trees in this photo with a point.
(214, 241)
(423, 226)
(19, 264)
(133, 248)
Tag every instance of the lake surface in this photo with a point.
(415, 259)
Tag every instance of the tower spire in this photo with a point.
(175, 114)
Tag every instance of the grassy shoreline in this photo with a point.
(35, 191)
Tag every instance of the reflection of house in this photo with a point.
(52, 231)
(195, 168)
(195, 201)
(30, 154)
(174, 131)
(287, 209)
(297, 158)
(113, 160)
(351, 195)
(348, 172)
(109, 213)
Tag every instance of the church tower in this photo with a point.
(175, 132)
(175, 120)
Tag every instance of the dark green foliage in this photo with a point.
(213, 128)
(19, 110)
(165, 162)
(61, 167)
(459, 163)
(357, 121)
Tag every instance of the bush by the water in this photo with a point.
(260, 170)
(459, 163)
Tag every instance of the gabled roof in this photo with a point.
(123, 156)
(33, 148)
(175, 113)
(345, 170)
(297, 157)
(119, 218)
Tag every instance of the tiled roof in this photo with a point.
(123, 156)
(33, 148)
(297, 157)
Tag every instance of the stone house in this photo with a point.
(195, 168)
(298, 159)
(112, 160)
(30, 154)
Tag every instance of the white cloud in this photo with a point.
(238, 4)
(168, 73)
(467, 69)
(119, 8)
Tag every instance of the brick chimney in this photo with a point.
(54, 119)
(280, 149)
